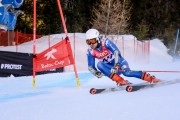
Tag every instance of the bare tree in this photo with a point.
(111, 16)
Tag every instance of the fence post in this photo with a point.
(74, 47)
(16, 41)
(123, 46)
(49, 40)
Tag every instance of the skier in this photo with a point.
(104, 49)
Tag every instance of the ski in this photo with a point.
(133, 87)
(136, 87)
(104, 90)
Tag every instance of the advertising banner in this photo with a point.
(57, 56)
(19, 64)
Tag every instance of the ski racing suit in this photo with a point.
(105, 54)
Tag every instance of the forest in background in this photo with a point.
(143, 18)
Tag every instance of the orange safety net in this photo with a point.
(7, 38)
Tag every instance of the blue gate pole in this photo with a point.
(177, 38)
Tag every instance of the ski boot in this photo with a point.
(119, 80)
(151, 79)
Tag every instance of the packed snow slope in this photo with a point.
(56, 96)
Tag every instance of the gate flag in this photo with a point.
(57, 56)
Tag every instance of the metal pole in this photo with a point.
(177, 37)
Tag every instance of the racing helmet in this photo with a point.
(93, 34)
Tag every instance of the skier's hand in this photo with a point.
(115, 69)
(98, 74)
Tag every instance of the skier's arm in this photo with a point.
(116, 64)
(96, 73)
(91, 66)
(112, 47)
(116, 52)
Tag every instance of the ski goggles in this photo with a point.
(91, 41)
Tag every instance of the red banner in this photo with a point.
(57, 56)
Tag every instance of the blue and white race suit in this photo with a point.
(105, 55)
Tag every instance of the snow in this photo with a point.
(57, 97)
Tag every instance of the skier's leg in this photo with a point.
(127, 71)
(118, 79)
(105, 69)
(139, 74)
(149, 78)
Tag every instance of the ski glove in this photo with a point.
(98, 74)
(115, 69)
